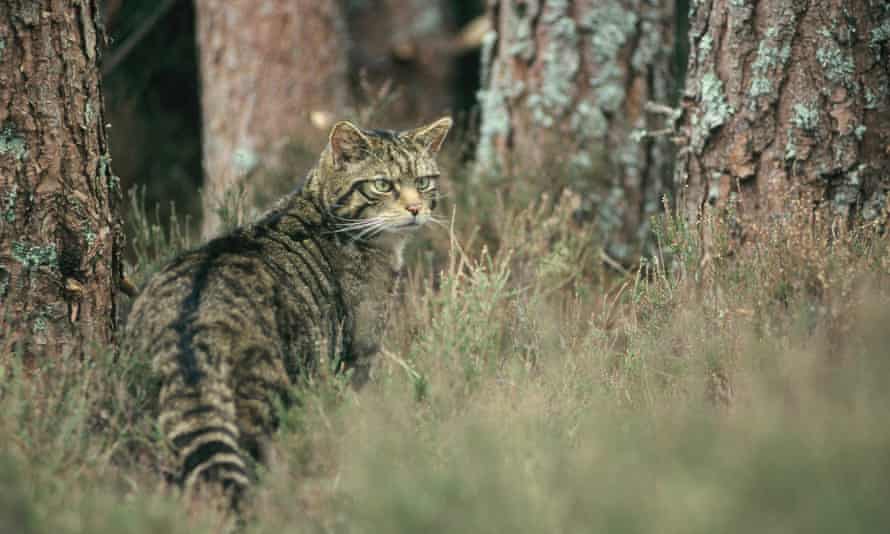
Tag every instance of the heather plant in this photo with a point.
(528, 385)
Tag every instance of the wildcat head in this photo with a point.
(373, 183)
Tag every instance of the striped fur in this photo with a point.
(232, 325)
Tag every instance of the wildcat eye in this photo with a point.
(382, 185)
(423, 182)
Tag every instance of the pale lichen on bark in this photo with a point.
(564, 89)
(803, 105)
(58, 220)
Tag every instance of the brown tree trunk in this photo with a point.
(786, 98)
(59, 232)
(274, 78)
(410, 44)
(564, 86)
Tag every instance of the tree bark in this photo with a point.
(60, 236)
(564, 86)
(274, 78)
(785, 99)
(408, 43)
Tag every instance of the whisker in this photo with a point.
(371, 229)
(361, 226)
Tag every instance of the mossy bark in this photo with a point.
(273, 79)
(60, 236)
(564, 86)
(407, 43)
(786, 99)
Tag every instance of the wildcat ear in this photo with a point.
(430, 136)
(348, 143)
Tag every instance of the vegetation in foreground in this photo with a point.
(525, 388)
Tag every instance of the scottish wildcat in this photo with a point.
(233, 324)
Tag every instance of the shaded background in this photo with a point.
(153, 101)
(152, 95)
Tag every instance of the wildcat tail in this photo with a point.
(198, 421)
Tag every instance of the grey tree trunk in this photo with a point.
(784, 99)
(274, 78)
(60, 236)
(564, 86)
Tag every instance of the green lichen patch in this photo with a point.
(104, 175)
(611, 25)
(880, 35)
(114, 183)
(648, 46)
(39, 324)
(9, 203)
(790, 146)
(33, 256)
(561, 61)
(805, 117)
(879, 39)
(493, 105)
(2, 48)
(495, 123)
(523, 41)
(859, 131)
(715, 110)
(847, 192)
(588, 121)
(769, 58)
(88, 114)
(760, 85)
(244, 160)
(837, 65)
(871, 100)
(608, 89)
(42, 317)
(89, 235)
(104, 163)
(86, 230)
(875, 206)
(12, 144)
(705, 46)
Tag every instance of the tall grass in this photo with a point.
(527, 387)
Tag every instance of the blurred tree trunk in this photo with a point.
(564, 85)
(60, 236)
(408, 43)
(785, 100)
(274, 78)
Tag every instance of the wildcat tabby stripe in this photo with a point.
(232, 326)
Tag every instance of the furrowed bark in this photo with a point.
(565, 84)
(60, 236)
(787, 99)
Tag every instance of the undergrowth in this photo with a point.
(526, 386)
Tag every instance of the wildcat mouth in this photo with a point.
(413, 225)
(410, 225)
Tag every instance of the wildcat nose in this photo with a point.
(413, 208)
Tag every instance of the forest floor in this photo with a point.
(526, 387)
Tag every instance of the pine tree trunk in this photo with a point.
(407, 43)
(60, 236)
(274, 78)
(787, 99)
(564, 86)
